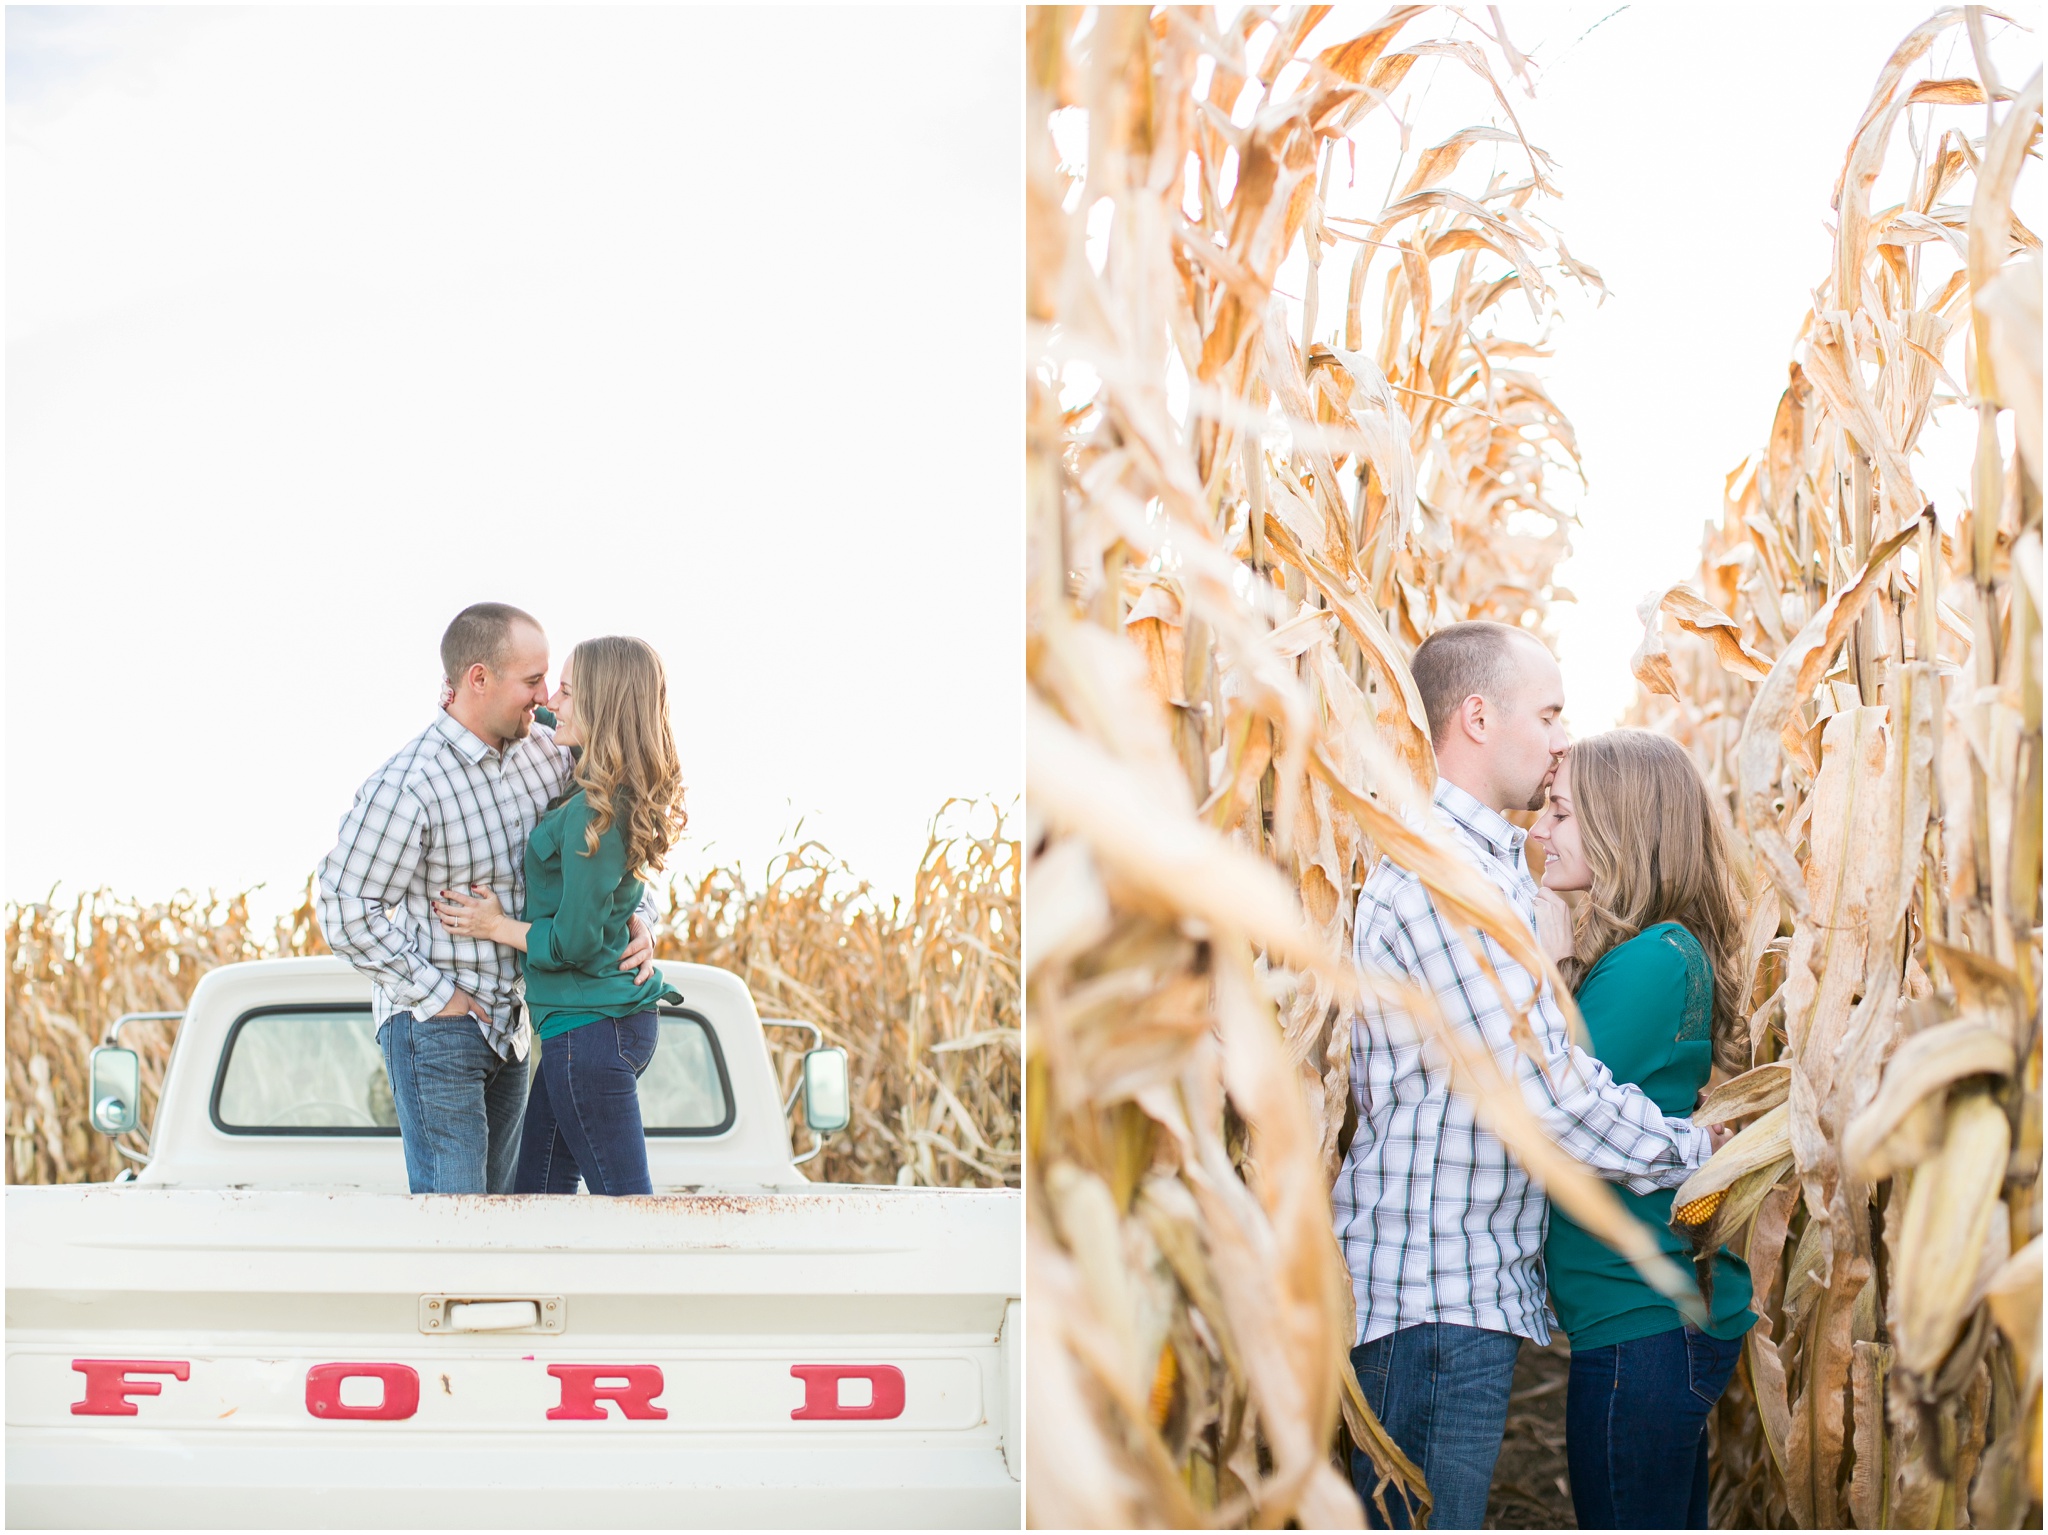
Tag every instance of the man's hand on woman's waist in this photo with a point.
(639, 955)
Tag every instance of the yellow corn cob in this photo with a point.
(1757, 1145)
(1699, 1211)
(1948, 1220)
(1162, 1386)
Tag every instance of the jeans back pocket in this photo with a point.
(637, 1037)
(1709, 1361)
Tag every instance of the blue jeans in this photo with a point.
(1636, 1429)
(1440, 1389)
(458, 1104)
(584, 1114)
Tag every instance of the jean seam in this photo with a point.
(547, 1157)
(391, 1074)
(489, 1079)
(1396, 1502)
(576, 1107)
(1380, 1377)
(1610, 1491)
(432, 1169)
(1435, 1345)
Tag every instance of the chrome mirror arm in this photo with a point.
(817, 1034)
(113, 1036)
(817, 1040)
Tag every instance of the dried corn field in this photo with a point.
(1247, 502)
(1237, 532)
(922, 991)
(1859, 672)
(71, 971)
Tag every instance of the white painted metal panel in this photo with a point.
(70, 1479)
(724, 1296)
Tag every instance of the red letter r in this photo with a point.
(637, 1387)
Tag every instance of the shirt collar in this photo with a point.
(1501, 837)
(472, 746)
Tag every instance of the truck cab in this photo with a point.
(278, 1082)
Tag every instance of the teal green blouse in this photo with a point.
(581, 909)
(1648, 1006)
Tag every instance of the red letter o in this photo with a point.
(401, 1391)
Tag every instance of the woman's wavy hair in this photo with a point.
(628, 769)
(1657, 853)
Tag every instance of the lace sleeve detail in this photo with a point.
(1699, 984)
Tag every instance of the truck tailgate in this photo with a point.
(833, 1356)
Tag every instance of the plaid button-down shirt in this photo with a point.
(1437, 1221)
(447, 812)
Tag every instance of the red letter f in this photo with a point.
(107, 1386)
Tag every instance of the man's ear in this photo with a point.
(477, 676)
(1472, 716)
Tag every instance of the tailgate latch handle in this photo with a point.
(492, 1313)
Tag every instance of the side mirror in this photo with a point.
(827, 1097)
(116, 1095)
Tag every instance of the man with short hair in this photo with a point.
(454, 809)
(1440, 1226)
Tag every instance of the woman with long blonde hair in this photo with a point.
(584, 863)
(1653, 963)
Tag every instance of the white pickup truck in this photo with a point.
(263, 1328)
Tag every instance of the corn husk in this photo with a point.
(1948, 1215)
(1758, 1145)
(1250, 493)
(1884, 778)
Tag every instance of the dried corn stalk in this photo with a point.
(921, 991)
(1865, 687)
(1243, 514)
(72, 972)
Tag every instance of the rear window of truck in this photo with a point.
(318, 1070)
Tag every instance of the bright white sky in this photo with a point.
(1697, 146)
(702, 325)
(699, 325)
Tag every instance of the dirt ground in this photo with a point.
(1530, 1488)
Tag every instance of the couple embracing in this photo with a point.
(1455, 1255)
(497, 858)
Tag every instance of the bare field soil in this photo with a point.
(1530, 1489)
